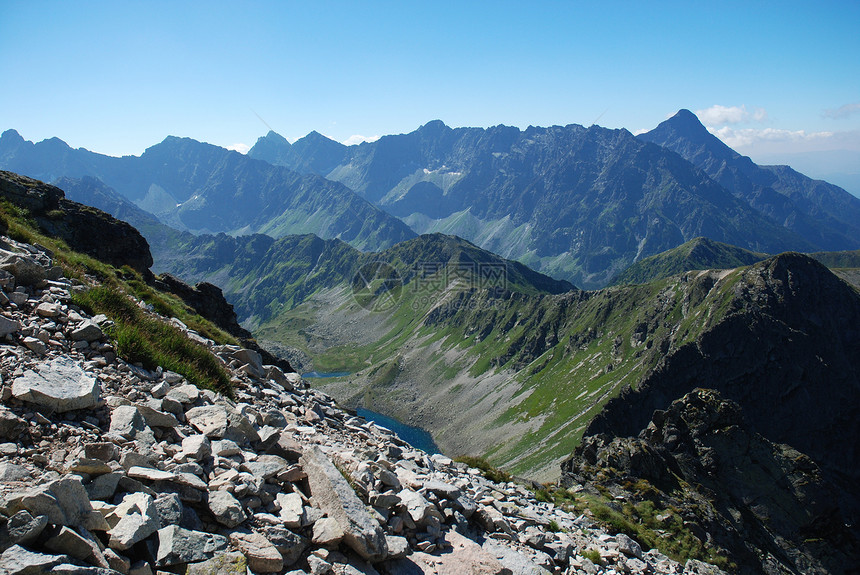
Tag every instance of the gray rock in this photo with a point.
(169, 508)
(46, 309)
(105, 451)
(27, 271)
(64, 501)
(262, 556)
(628, 546)
(18, 561)
(292, 510)
(22, 528)
(177, 545)
(127, 421)
(510, 558)
(157, 418)
(196, 447)
(184, 393)
(35, 345)
(226, 564)
(68, 542)
(11, 425)
(327, 532)
(8, 326)
(210, 420)
(289, 544)
(103, 487)
(70, 569)
(87, 331)
(334, 495)
(133, 520)
(265, 466)
(59, 384)
(227, 509)
(10, 472)
(695, 567)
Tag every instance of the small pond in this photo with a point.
(414, 436)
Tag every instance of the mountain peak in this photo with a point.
(685, 123)
(11, 135)
(433, 126)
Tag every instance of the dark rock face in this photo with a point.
(788, 352)
(85, 229)
(207, 300)
(767, 504)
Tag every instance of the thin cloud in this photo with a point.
(240, 147)
(358, 139)
(842, 112)
(746, 137)
(718, 115)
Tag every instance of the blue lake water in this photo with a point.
(322, 374)
(414, 436)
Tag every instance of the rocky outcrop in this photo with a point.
(207, 300)
(787, 351)
(83, 228)
(160, 476)
(768, 505)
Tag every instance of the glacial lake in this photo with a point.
(414, 436)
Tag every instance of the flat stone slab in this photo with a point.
(59, 384)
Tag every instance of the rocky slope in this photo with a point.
(767, 505)
(106, 468)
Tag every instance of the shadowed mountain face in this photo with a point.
(824, 214)
(202, 188)
(574, 202)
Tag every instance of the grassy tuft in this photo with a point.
(490, 472)
(152, 342)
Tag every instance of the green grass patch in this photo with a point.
(152, 342)
(488, 471)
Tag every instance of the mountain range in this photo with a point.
(578, 204)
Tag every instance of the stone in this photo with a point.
(186, 394)
(177, 545)
(89, 466)
(169, 508)
(696, 567)
(22, 528)
(442, 489)
(292, 510)
(265, 466)
(262, 556)
(64, 501)
(327, 532)
(87, 331)
(160, 389)
(157, 418)
(512, 559)
(196, 447)
(35, 345)
(103, 487)
(11, 425)
(68, 542)
(227, 509)
(290, 545)
(628, 546)
(226, 564)
(463, 556)
(133, 520)
(333, 494)
(10, 472)
(398, 547)
(19, 561)
(8, 326)
(127, 421)
(210, 420)
(417, 506)
(59, 384)
(150, 474)
(46, 309)
(105, 451)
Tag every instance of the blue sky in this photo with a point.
(771, 79)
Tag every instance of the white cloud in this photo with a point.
(718, 115)
(358, 139)
(842, 112)
(746, 137)
(240, 147)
